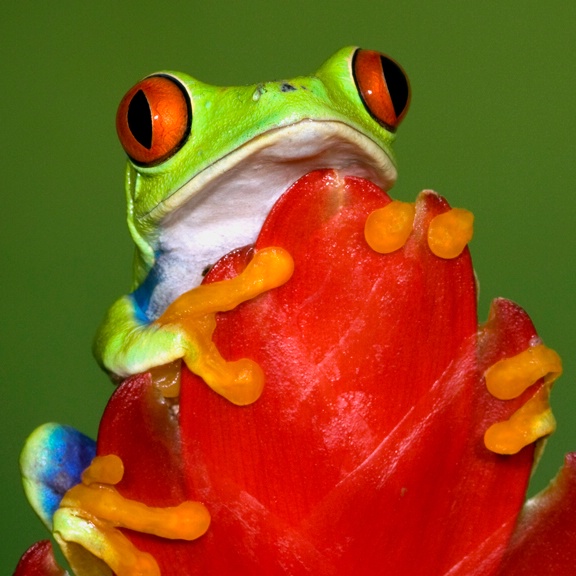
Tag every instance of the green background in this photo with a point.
(491, 127)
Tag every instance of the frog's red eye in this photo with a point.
(383, 87)
(154, 119)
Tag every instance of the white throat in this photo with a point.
(224, 207)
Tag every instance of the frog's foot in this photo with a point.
(87, 523)
(508, 379)
(241, 382)
(52, 462)
(450, 232)
(387, 229)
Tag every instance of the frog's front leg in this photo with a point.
(127, 345)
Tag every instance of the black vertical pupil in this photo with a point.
(140, 119)
(397, 84)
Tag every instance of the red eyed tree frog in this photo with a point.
(206, 164)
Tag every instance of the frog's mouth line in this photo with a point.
(224, 206)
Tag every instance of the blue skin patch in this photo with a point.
(142, 295)
(52, 462)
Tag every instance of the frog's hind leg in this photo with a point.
(52, 462)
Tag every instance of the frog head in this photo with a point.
(206, 163)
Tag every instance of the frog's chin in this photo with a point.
(224, 206)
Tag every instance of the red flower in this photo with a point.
(393, 435)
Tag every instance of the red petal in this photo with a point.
(39, 560)
(544, 541)
(141, 428)
(364, 453)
